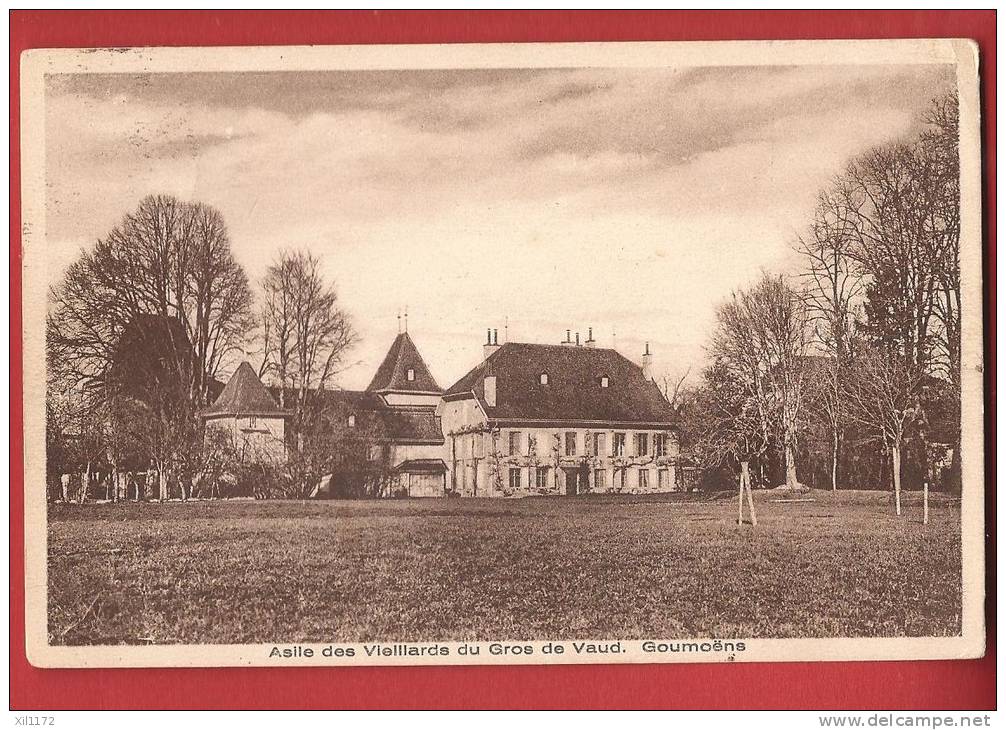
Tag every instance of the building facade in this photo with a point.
(558, 419)
(394, 420)
(529, 419)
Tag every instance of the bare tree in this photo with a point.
(895, 214)
(148, 315)
(833, 283)
(306, 337)
(883, 397)
(941, 144)
(761, 337)
(886, 194)
(307, 334)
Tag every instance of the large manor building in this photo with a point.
(529, 419)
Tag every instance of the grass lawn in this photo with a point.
(663, 566)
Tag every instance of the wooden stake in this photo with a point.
(740, 495)
(747, 485)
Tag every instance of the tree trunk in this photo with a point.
(896, 470)
(925, 503)
(791, 480)
(745, 487)
(116, 479)
(85, 484)
(162, 482)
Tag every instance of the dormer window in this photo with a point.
(543, 378)
(604, 381)
(410, 374)
(351, 420)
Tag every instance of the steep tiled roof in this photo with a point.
(404, 425)
(573, 392)
(392, 375)
(244, 394)
(412, 425)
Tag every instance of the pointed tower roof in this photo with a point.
(244, 395)
(393, 375)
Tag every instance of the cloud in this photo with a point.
(628, 200)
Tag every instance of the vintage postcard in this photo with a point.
(474, 354)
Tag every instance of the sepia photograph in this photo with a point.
(552, 353)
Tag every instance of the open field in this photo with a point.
(662, 566)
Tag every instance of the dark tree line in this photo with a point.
(859, 356)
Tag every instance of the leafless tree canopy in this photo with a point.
(169, 259)
(306, 334)
(761, 338)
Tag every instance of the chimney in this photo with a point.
(568, 340)
(492, 344)
(489, 389)
(590, 338)
(647, 363)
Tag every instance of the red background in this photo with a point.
(847, 685)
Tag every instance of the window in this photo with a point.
(642, 444)
(351, 420)
(410, 374)
(600, 479)
(619, 479)
(514, 478)
(604, 381)
(514, 443)
(541, 477)
(543, 378)
(618, 445)
(644, 479)
(599, 444)
(660, 444)
(662, 477)
(252, 422)
(571, 443)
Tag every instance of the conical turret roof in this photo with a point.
(244, 395)
(393, 375)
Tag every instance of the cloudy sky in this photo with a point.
(628, 200)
